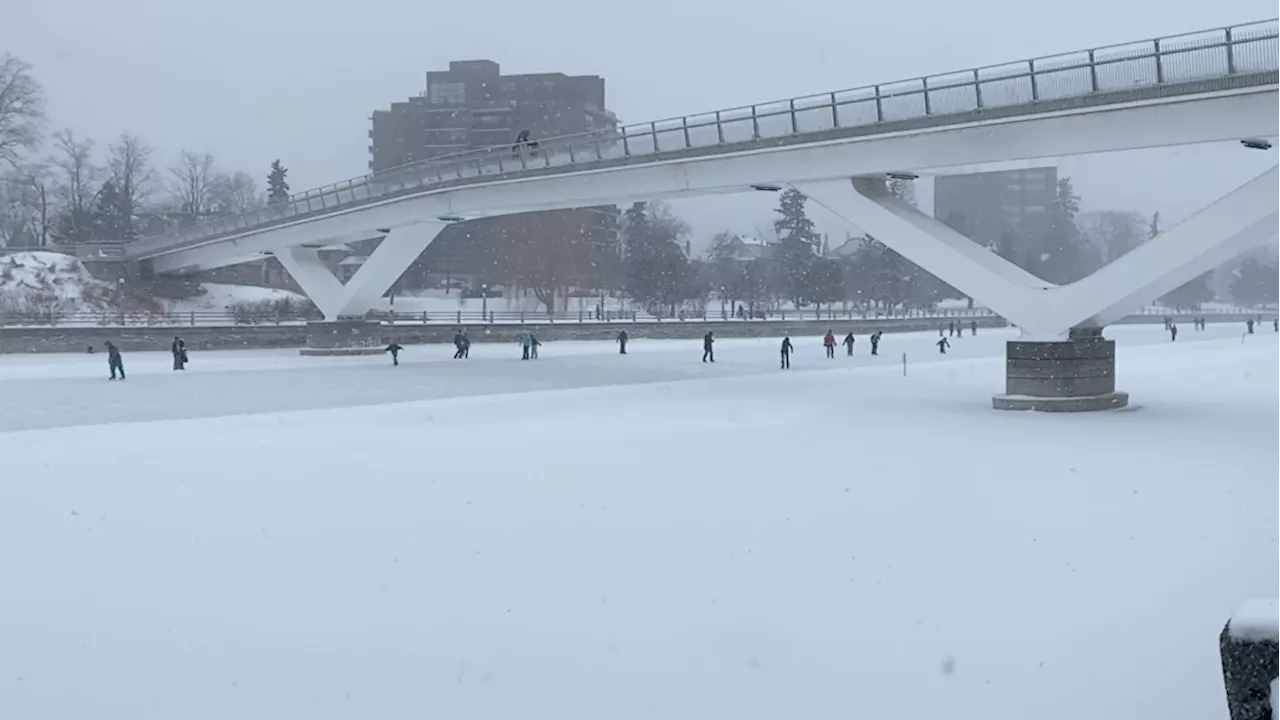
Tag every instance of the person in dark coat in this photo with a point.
(466, 344)
(394, 349)
(1249, 325)
(622, 342)
(179, 350)
(114, 361)
(708, 352)
(534, 344)
(787, 347)
(973, 327)
(829, 342)
(951, 328)
(875, 342)
(1173, 332)
(943, 345)
(458, 341)
(849, 340)
(1275, 325)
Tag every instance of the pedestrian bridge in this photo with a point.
(1210, 86)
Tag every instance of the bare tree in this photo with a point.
(26, 207)
(234, 193)
(193, 180)
(21, 109)
(77, 187)
(129, 162)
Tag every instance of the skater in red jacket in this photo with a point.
(830, 343)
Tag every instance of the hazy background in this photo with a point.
(255, 80)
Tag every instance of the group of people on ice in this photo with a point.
(115, 361)
(829, 344)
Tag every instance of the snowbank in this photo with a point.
(219, 296)
(1255, 621)
(46, 277)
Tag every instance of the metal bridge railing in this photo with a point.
(1241, 50)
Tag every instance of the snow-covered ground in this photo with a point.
(218, 296)
(37, 280)
(630, 537)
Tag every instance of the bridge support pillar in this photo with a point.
(357, 297)
(1073, 375)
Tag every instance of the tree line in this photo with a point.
(69, 191)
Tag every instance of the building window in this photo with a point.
(447, 94)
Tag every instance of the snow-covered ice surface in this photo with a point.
(1254, 620)
(716, 541)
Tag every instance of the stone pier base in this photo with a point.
(1074, 375)
(344, 337)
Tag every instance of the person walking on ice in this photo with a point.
(1173, 332)
(875, 342)
(943, 345)
(787, 347)
(534, 344)
(114, 362)
(848, 344)
(708, 351)
(394, 349)
(526, 343)
(622, 342)
(179, 350)
(829, 342)
(973, 327)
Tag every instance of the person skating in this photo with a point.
(114, 362)
(787, 347)
(179, 350)
(829, 342)
(466, 344)
(708, 353)
(1173, 332)
(394, 349)
(848, 344)
(973, 327)
(943, 345)
(534, 344)
(622, 342)
(526, 342)
(1249, 326)
(951, 328)
(1275, 325)
(457, 344)
(875, 342)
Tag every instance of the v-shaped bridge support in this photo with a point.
(393, 256)
(1245, 218)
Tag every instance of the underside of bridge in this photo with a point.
(1062, 362)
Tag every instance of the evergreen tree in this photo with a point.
(111, 218)
(277, 185)
(794, 253)
(1063, 257)
(1190, 295)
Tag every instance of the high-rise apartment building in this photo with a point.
(472, 105)
(991, 207)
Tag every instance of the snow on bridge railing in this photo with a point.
(1241, 50)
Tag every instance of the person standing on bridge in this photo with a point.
(787, 347)
(1173, 332)
(829, 342)
(849, 340)
(622, 342)
(394, 349)
(708, 351)
(114, 361)
(875, 342)
(943, 345)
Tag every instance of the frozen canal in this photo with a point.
(592, 536)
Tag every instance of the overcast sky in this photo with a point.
(255, 80)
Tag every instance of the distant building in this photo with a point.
(995, 208)
(472, 105)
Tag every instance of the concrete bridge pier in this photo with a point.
(1073, 375)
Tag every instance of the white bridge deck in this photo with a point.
(1212, 61)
